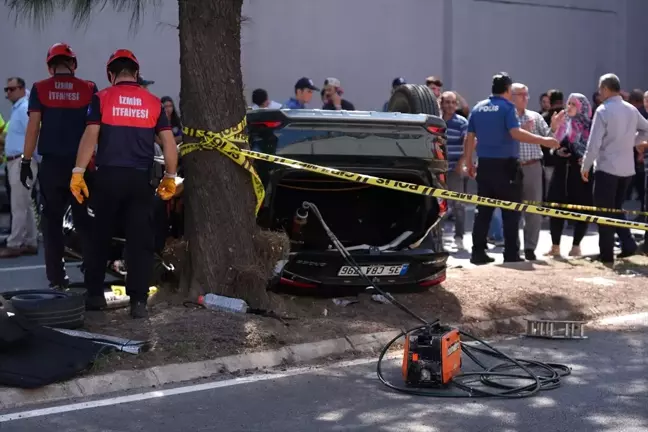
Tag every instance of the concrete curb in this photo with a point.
(92, 386)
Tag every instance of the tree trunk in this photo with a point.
(228, 253)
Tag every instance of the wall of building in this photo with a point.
(542, 45)
(23, 47)
(363, 43)
(367, 43)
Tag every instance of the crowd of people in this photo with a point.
(571, 151)
(565, 153)
(544, 151)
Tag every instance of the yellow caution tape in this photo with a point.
(585, 208)
(227, 146)
(222, 141)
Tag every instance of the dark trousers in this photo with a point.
(55, 197)
(498, 179)
(36, 199)
(638, 183)
(556, 226)
(123, 194)
(8, 189)
(610, 192)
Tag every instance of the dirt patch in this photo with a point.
(182, 334)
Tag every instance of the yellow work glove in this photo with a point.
(167, 188)
(79, 187)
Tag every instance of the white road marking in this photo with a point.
(31, 267)
(22, 268)
(175, 391)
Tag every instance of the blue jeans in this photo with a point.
(496, 232)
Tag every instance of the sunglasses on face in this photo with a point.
(10, 89)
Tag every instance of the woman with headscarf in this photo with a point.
(572, 128)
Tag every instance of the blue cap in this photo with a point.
(144, 82)
(305, 83)
(398, 81)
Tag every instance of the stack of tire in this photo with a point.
(48, 307)
(413, 99)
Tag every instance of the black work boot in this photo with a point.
(480, 258)
(138, 310)
(61, 286)
(513, 259)
(529, 255)
(96, 303)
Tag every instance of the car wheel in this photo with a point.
(50, 308)
(413, 99)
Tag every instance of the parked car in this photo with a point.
(395, 237)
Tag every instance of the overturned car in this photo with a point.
(394, 236)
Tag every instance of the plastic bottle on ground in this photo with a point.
(228, 304)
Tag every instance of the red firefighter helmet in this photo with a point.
(121, 54)
(60, 50)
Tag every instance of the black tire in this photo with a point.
(49, 307)
(413, 99)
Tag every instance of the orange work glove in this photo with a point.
(167, 188)
(79, 187)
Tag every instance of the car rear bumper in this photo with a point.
(311, 272)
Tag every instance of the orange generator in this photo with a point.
(431, 356)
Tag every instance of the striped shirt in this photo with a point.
(456, 131)
(529, 152)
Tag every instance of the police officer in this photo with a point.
(494, 126)
(122, 122)
(57, 110)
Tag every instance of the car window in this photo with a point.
(344, 139)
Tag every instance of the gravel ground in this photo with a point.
(185, 334)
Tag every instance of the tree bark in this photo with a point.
(228, 253)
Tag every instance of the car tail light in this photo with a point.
(443, 206)
(434, 280)
(267, 124)
(436, 130)
(297, 284)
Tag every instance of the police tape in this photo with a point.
(585, 208)
(223, 143)
(231, 138)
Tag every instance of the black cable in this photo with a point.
(352, 262)
(547, 377)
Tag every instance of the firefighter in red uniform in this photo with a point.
(57, 110)
(122, 122)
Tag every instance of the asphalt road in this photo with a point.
(607, 391)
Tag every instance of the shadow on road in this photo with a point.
(606, 392)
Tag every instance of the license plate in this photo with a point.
(375, 270)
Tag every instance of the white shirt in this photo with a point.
(271, 105)
(613, 136)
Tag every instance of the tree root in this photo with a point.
(270, 246)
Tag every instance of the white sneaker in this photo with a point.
(459, 243)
